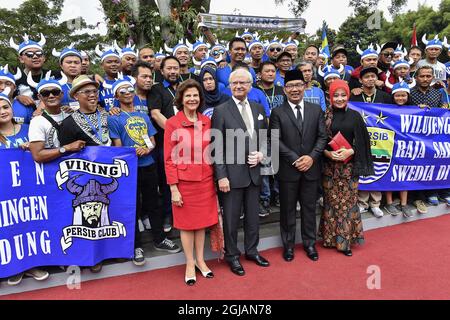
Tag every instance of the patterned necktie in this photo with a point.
(245, 117)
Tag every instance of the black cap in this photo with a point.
(390, 44)
(338, 49)
(292, 75)
(368, 70)
(284, 54)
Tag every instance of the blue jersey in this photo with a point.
(21, 113)
(130, 128)
(67, 100)
(106, 97)
(15, 141)
(315, 95)
(445, 100)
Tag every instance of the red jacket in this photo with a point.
(185, 149)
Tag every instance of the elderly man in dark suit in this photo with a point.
(300, 128)
(237, 170)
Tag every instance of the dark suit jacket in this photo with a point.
(226, 165)
(294, 143)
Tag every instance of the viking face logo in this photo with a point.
(91, 202)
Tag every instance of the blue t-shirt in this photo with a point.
(254, 95)
(106, 97)
(140, 105)
(67, 100)
(224, 73)
(16, 140)
(21, 113)
(130, 128)
(315, 95)
(445, 100)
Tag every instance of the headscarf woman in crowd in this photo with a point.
(341, 224)
(211, 91)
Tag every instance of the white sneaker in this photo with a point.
(377, 212)
(362, 209)
(146, 223)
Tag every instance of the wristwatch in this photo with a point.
(62, 150)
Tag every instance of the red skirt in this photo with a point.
(199, 208)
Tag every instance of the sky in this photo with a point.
(334, 12)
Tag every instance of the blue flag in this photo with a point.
(410, 147)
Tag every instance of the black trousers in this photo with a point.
(147, 203)
(305, 192)
(232, 204)
(164, 188)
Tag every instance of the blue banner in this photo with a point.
(76, 210)
(410, 147)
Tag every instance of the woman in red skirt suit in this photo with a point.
(190, 175)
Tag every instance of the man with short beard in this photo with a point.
(160, 100)
(273, 50)
(128, 59)
(370, 93)
(386, 56)
(284, 64)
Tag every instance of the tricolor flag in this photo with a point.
(414, 37)
(325, 47)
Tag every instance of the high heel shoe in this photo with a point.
(348, 253)
(206, 274)
(190, 281)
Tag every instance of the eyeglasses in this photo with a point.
(124, 91)
(278, 49)
(387, 54)
(89, 92)
(240, 83)
(46, 93)
(292, 86)
(30, 55)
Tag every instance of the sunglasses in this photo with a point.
(387, 54)
(30, 55)
(277, 49)
(126, 90)
(217, 52)
(46, 93)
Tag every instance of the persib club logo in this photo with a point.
(91, 220)
(382, 146)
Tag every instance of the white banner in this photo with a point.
(105, 170)
(216, 21)
(106, 232)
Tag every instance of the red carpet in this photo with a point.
(414, 259)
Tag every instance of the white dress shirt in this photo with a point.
(302, 108)
(248, 110)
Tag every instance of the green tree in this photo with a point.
(37, 16)
(355, 31)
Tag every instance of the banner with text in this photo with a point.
(215, 21)
(76, 210)
(410, 147)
